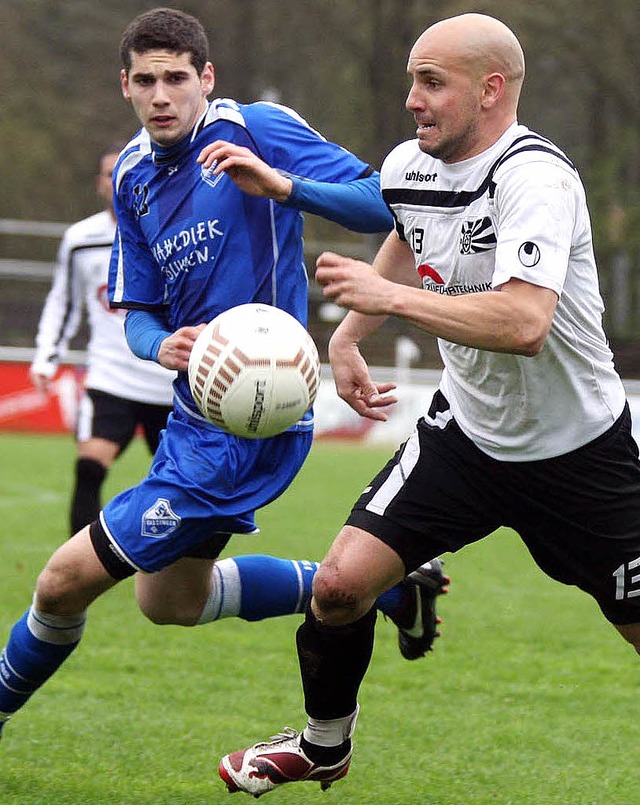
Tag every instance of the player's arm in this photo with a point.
(514, 318)
(150, 338)
(59, 320)
(356, 204)
(136, 285)
(350, 371)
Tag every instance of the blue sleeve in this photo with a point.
(288, 143)
(145, 331)
(356, 205)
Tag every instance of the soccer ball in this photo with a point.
(254, 371)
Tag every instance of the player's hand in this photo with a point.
(175, 349)
(354, 384)
(41, 382)
(353, 284)
(248, 171)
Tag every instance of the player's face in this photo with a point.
(103, 181)
(445, 99)
(166, 93)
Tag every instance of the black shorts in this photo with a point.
(578, 514)
(115, 419)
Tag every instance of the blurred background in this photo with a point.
(342, 66)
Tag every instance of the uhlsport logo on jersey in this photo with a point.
(418, 176)
(477, 236)
(429, 276)
(529, 254)
(160, 520)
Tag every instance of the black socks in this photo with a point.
(333, 662)
(85, 505)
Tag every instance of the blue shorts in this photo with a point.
(202, 482)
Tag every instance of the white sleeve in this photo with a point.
(62, 312)
(537, 209)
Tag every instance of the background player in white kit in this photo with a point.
(121, 391)
(529, 429)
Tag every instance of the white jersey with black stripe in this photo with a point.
(518, 210)
(79, 284)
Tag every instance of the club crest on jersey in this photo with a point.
(159, 520)
(206, 174)
(477, 236)
(140, 200)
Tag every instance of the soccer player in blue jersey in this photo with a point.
(190, 244)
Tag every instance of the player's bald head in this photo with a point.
(479, 44)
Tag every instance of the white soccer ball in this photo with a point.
(254, 371)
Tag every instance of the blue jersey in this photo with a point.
(191, 244)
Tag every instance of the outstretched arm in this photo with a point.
(514, 318)
(350, 372)
(356, 205)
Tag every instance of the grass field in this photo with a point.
(529, 699)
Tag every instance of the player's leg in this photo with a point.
(153, 419)
(52, 626)
(194, 590)
(335, 644)
(93, 461)
(105, 426)
(231, 479)
(417, 507)
(256, 586)
(589, 540)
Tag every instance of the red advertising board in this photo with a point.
(24, 408)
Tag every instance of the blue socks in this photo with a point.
(37, 647)
(257, 586)
(250, 587)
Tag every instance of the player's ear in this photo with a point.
(208, 78)
(492, 89)
(124, 84)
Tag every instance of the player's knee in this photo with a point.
(166, 612)
(338, 595)
(56, 590)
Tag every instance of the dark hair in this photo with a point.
(165, 29)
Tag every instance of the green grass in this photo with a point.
(529, 699)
